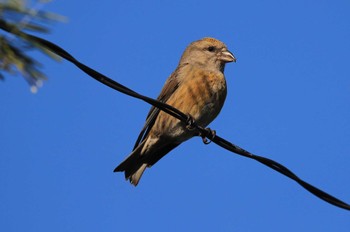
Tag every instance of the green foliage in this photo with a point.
(14, 57)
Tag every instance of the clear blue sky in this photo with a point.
(289, 100)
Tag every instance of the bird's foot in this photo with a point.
(190, 123)
(209, 132)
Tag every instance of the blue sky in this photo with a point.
(288, 100)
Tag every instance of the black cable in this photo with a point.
(283, 170)
(177, 114)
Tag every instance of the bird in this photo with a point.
(197, 88)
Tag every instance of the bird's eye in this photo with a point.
(211, 49)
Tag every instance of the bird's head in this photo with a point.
(208, 52)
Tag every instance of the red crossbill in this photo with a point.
(197, 87)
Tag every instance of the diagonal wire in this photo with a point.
(177, 114)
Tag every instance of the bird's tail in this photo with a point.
(133, 165)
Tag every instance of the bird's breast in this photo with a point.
(200, 94)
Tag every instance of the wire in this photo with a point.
(204, 132)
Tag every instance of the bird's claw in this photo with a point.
(209, 132)
(190, 123)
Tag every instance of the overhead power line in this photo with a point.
(186, 119)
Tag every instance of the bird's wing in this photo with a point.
(169, 88)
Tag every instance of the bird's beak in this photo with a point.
(227, 56)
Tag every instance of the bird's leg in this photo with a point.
(208, 132)
(190, 123)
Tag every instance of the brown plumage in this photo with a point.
(197, 87)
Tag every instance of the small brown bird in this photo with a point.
(198, 88)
